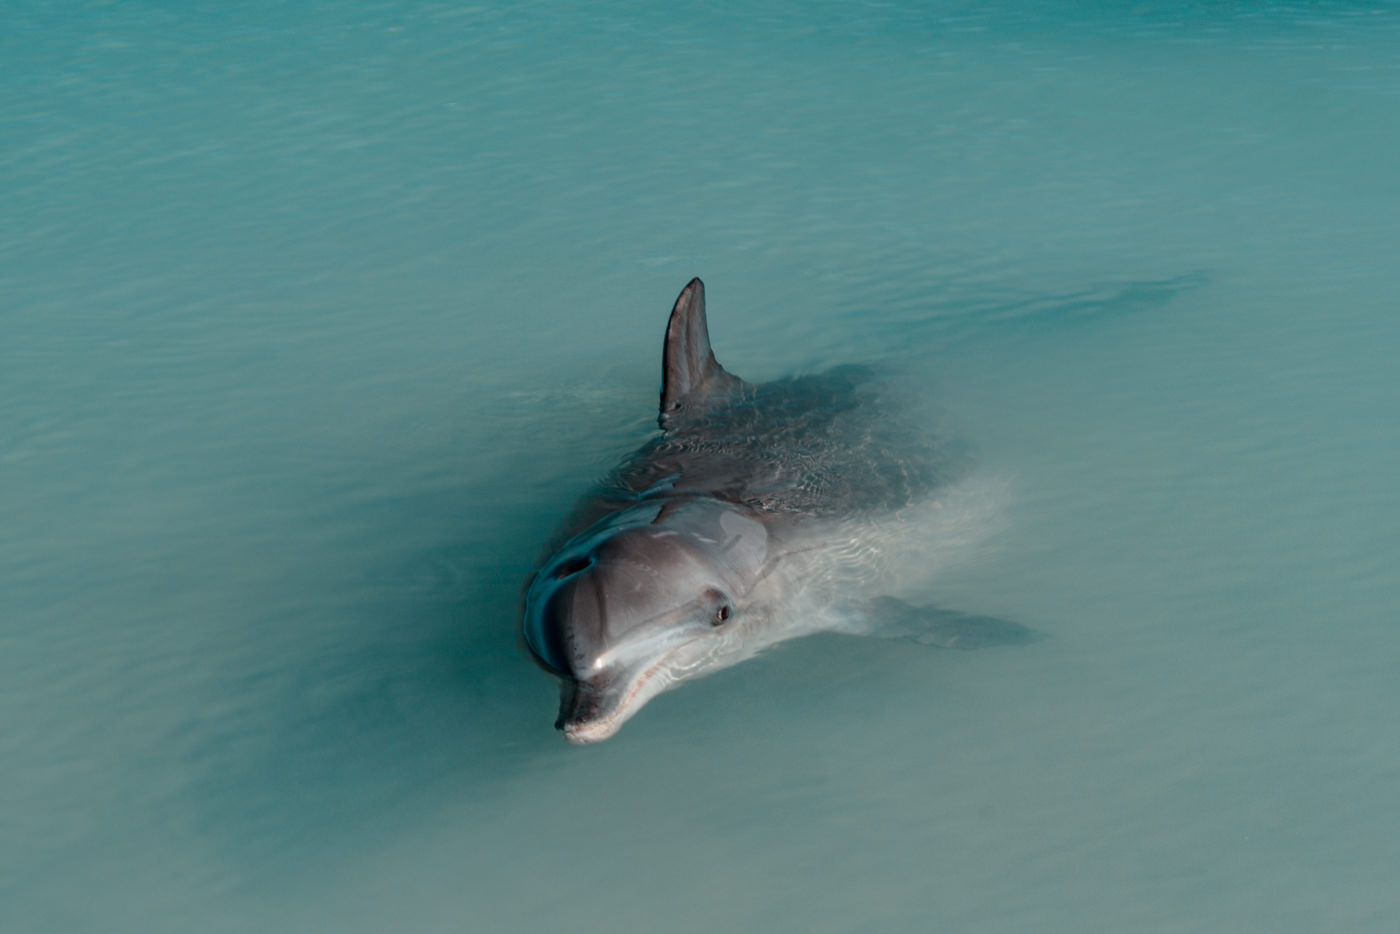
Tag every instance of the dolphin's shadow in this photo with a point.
(349, 745)
(426, 700)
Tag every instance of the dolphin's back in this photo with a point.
(835, 444)
(829, 444)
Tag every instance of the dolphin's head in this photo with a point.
(648, 597)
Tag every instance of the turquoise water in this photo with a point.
(315, 318)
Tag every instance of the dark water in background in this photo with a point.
(315, 317)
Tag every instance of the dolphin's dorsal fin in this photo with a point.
(690, 374)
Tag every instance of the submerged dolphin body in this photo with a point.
(752, 519)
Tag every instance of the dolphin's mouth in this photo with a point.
(591, 711)
(583, 717)
(586, 717)
(593, 731)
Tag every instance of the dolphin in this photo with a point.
(754, 517)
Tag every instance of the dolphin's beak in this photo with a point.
(591, 711)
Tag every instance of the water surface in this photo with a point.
(316, 318)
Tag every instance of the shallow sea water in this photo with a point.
(316, 317)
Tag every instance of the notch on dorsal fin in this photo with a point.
(690, 374)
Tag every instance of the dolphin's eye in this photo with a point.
(721, 615)
(570, 568)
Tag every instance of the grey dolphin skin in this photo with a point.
(759, 514)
